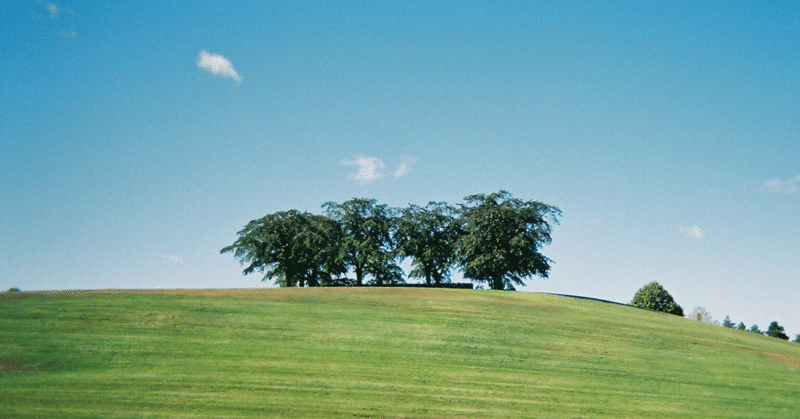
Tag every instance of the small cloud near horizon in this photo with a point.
(370, 168)
(218, 65)
(172, 258)
(788, 186)
(694, 232)
(405, 166)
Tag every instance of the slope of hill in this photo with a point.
(378, 352)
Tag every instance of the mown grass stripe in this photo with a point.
(373, 352)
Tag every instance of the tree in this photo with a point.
(501, 237)
(701, 315)
(754, 329)
(776, 331)
(727, 322)
(293, 248)
(654, 297)
(428, 235)
(741, 326)
(796, 339)
(368, 241)
(13, 290)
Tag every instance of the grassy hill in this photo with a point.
(378, 352)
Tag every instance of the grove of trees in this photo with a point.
(494, 239)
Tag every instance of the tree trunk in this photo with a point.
(359, 275)
(497, 282)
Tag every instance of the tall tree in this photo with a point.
(428, 235)
(368, 241)
(293, 248)
(502, 237)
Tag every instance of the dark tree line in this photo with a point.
(493, 238)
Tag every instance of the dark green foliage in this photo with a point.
(368, 244)
(776, 331)
(741, 326)
(293, 248)
(428, 235)
(494, 238)
(727, 322)
(501, 237)
(796, 339)
(654, 297)
(13, 290)
(754, 329)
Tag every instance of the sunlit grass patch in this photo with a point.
(378, 352)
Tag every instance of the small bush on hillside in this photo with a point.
(654, 297)
(776, 331)
(741, 326)
(727, 322)
(13, 290)
(754, 329)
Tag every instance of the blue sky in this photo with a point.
(138, 139)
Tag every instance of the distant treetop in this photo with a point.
(654, 297)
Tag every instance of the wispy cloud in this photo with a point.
(783, 186)
(694, 232)
(218, 65)
(172, 258)
(55, 11)
(368, 168)
(405, 166)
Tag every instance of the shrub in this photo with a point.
(13, 290)
(654, 297)
(727, 322)
(776, 331)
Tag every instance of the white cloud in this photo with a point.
(783, 186)
(405, 166)
(217, 64)
(368, 168)
(172, 258)
(694, 232)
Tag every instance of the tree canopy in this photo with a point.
(428, 235)
(501, 237)
(291, 247)
(493, 238)
(776, 331)
(368, 242)
(654, 297)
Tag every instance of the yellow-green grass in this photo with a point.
(377, 352)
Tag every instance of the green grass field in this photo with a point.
(379, 353)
